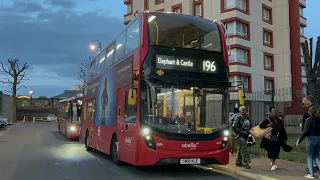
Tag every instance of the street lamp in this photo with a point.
(93, 46)
(31, 105)
(30, 93)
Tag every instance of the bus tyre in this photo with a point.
(66, 132)
(88, 148)
(115, 151)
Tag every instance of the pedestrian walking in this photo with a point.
(241, 128)
(278, 137)
(312, 132)
(233, 144)
(308, 102)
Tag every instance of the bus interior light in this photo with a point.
(225, 139)
(151, 18)
(148, 137)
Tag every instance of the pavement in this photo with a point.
(261, 169)
(39, 152)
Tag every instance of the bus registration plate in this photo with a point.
(189, 161)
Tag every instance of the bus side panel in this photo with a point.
(62, 126)
(106, 138)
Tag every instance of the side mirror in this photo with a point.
(132, 97)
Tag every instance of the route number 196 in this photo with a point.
(209, 66)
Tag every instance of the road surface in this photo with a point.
(39, 152)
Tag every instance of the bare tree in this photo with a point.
(312, 67)
(82, 69)
(15, 77)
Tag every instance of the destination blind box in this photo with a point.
(186, 64)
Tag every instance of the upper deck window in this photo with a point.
(183, 31)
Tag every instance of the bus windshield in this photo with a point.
(181, 110)
(178, 30)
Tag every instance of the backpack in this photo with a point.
(315, 126)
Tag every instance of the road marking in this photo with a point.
(7, 130)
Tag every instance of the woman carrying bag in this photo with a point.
(276, 139)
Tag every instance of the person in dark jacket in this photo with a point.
(278, 136)
(312, 132)
(241, 128)
(308, 102)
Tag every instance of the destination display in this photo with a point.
(186, 64)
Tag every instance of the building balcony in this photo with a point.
(303, 2)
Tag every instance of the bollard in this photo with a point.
(33, 119)
(24, 119)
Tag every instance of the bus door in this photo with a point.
(127, 112)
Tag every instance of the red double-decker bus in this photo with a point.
(158, 94)
(69, 116)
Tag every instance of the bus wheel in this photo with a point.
(88, 148)
(115, 151)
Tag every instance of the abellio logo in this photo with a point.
(190, 145)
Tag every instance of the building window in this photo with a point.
(267, 38)
(198, 9)
(301, 50)
(239, 81)
(237, 28)
(266, 14)
(241, 4)
(302, 30)
(301, 11)
(129, 8)
(304, 90)
(303, 71)
(146, 4)
(239, 55)
(268, 84)
(159, 1)
(268, 62)
(177, 9)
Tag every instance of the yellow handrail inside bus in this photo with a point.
(164, 110)
(157, 33)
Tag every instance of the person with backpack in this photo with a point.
(278, 137)
(312, 132)
(241, 130)
(233, 144)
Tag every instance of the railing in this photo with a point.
(34, 119)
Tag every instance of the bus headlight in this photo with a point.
(72, 128)
(147, 138)
(224, 142)
(226, 133)
(145, 131)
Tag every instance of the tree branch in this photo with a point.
(23, 86)
(316, 65)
